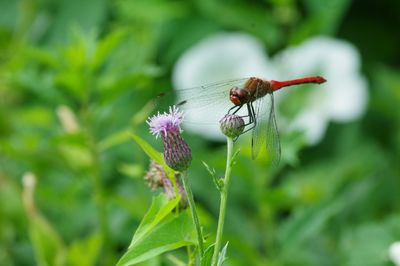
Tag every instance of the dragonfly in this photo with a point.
(251, 98)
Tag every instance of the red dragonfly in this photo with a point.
(210, 103)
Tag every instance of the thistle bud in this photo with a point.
(157, 178)
(232, 125)
(155, 175)
(177, 153)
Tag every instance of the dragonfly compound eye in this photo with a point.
(236, 96)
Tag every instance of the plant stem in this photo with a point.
(224, 196)
(190, 256)
(99, 199)
(192, 206)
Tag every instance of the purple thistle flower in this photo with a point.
(177, 153)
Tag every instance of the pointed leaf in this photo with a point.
(219, 183)
(84, 252)
(160, 231)
(154, 155)
(222, 255)
(115, 139)
(206, 260)
(48, 245)
(159, 209)
(105, 47)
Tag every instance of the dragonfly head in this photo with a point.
(238, 96)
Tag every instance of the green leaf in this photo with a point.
(132, 170)
(206, 260)
(154, 155)
(310, 221)
(158, 210)
(77, 156)
(222, 255)
(148, 149)
(48, 245)
(235, 154)
(219, 183)
(123, 135)
(256, 23)
(160, 231)
(42, 56)
(114, 139)
(90, 245)
(369, 242)
(105, 47)
(324, 18)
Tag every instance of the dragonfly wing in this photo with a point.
(265, 133)
(206, 96)
(203, 106)
(273, 140)
(259, 137)
(201, 95)
(209, 90)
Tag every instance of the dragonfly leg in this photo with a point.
(247, 130)
(253, 113)
(232, 108)
(238, 108)
(249, 115)
(252, 118)
(250, 111)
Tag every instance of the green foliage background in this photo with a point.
(340, 205)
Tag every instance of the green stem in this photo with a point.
(101, 205)
(190, 256)
(100, 201)
(224, 196)
(195, 217)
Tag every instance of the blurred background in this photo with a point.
(76, 77)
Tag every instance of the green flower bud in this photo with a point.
(232, 125)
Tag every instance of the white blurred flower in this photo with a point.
(29, 180)
(394, 253)
(235, 55)
(68, 119)
(342, 99)
(219, 57)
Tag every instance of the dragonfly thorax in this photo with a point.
(253, 89)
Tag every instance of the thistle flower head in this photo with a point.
(232, 125)
(177, 153)
(161, 124)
